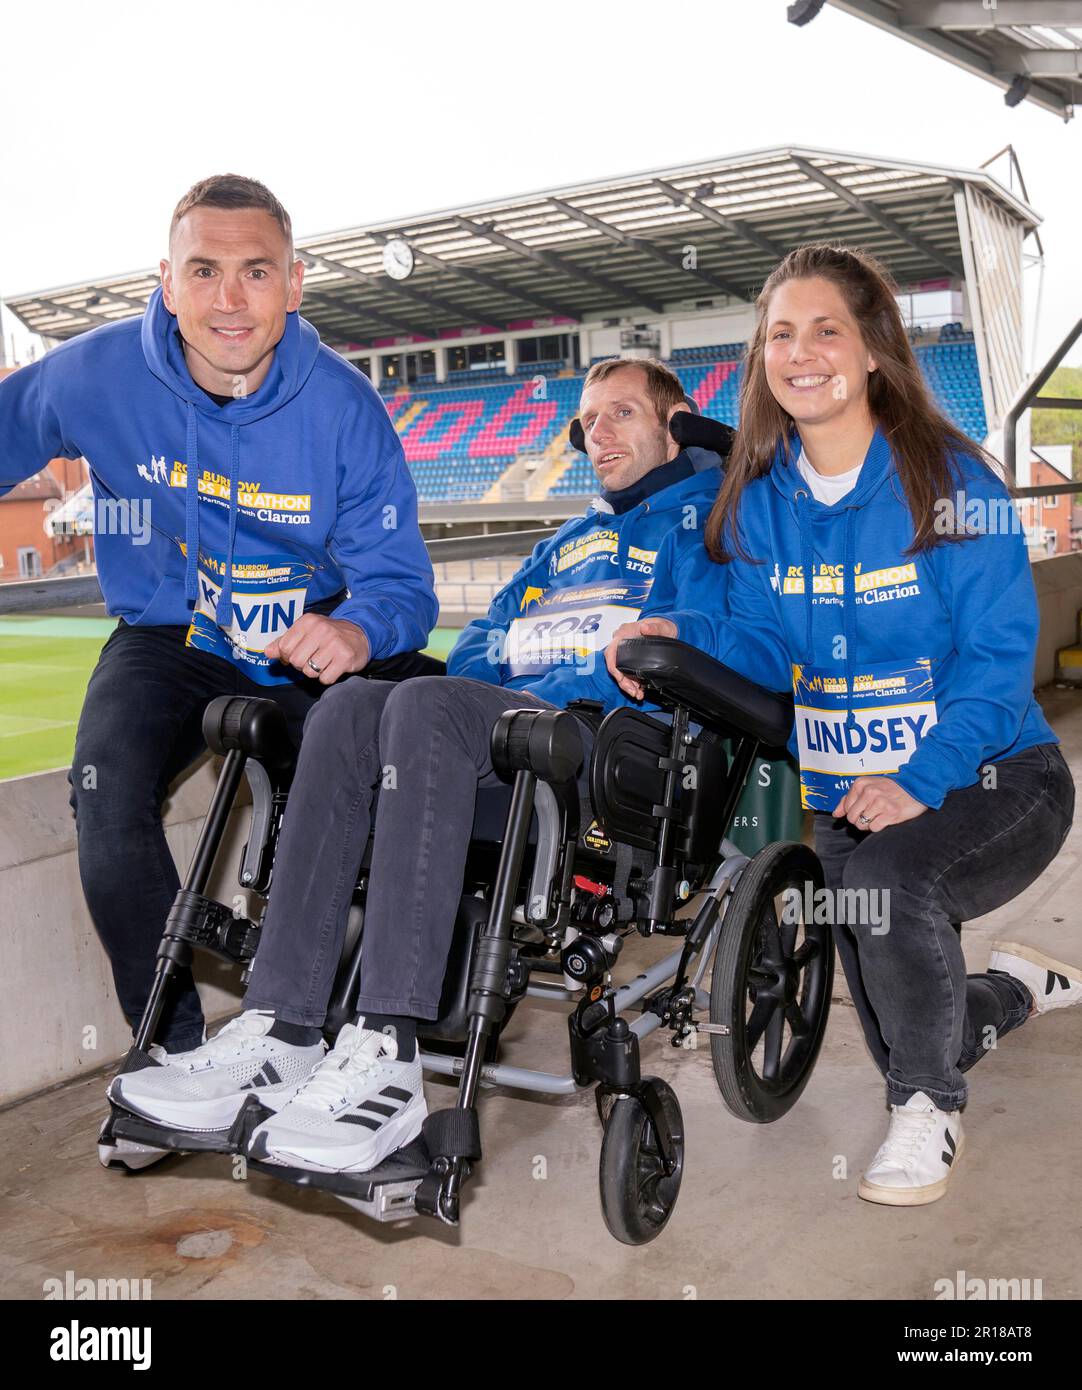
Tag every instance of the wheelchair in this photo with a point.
(552, 887)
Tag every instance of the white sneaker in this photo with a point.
(358, 1106)
(914, 1163)
(158, 1052)
(1052, 984)
(205, 1089)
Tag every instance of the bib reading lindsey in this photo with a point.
(893, 706)
(268, 593)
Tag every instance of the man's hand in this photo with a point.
(648, 627)
(880, 801)
(335, 645)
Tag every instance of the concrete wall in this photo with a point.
(1058, 581)
(55, 977)
(60, 1015)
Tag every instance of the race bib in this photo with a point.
(570, 627)
(894, 707)
(268, 593)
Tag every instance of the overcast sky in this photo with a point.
(355, 111)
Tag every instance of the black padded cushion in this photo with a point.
(687, 427)
(675, 673)
(254, 725)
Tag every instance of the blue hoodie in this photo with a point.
(547, 629)
(303, 489)
(925, 672)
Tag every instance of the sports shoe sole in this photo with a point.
(1035, 957)
(214, 1116)
(125, 1153)
(910, 1196)
(397, 1133)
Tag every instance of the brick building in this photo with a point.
(27, 549)
(1047, 520)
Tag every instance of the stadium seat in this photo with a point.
(459, 436)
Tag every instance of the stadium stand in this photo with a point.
(459, 438)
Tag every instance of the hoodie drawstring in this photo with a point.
(223, 613)
(191, 508)
(849, 612)
(849, 616)
(806, 565)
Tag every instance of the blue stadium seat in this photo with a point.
(467, 433)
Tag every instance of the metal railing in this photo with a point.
(1028, 398)
(38, 595)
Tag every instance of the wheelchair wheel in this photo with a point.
(773, 972)
(637, 1196)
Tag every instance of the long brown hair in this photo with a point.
(920, 436)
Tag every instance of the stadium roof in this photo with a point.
(592, 250)
(1030, 48)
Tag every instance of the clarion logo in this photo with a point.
(75, 1343)
(971, 1288)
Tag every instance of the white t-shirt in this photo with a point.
(827, 489)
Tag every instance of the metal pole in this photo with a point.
(1026, 395)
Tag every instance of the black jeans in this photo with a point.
(925, 1021)
(424, 747)
(140, 727)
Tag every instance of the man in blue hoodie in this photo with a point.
(294, 560)
(426, 745)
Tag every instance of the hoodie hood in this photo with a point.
(675, 471)
(816, 520)
(665, 487)
(294, 357)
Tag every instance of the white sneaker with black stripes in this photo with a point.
(203, 1090)
(359, 1106)
(1052, 984)
(915, 1161)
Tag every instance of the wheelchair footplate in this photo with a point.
(127, 1128)
(385, 1193)
(423, 1178)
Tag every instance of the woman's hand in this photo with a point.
(648, 627)
(873, 803)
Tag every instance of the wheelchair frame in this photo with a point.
(539, 752)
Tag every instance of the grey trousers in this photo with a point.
(413, 755)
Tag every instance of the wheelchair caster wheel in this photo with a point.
(772, 978)
(638, 1189)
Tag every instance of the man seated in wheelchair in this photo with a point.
(411, 757)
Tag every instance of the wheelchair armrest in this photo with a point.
(675, 673)
(253, 725)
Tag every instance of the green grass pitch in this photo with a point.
(45, 664)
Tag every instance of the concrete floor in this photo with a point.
(765, 1212)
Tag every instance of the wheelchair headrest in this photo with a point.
(687, 427)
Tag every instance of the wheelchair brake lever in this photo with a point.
(438, 1192)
